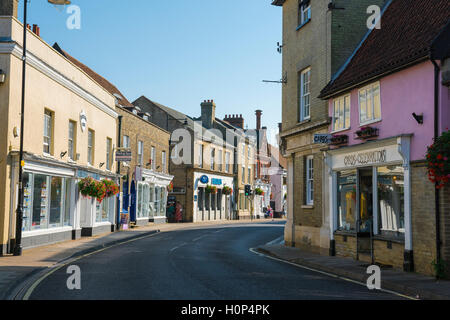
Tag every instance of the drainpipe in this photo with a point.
(437, 71)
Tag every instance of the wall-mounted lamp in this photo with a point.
(16, 132)
(62, 154)
(2, 77)
(418, 117)
(102, 164)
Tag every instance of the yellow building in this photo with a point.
(69, 133)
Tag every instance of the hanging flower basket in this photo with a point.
(259, 192)
(438, 156)
(339, 139)
(227, 190)
(87, 186)
(211, 189)
(367, 132)
(170, 187)
(111, 188)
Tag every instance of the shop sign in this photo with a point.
(83, 174)
(216, 182)
(365, 158)
(123, 155)
(204, 179)
(322, 138)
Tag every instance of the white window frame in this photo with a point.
(200, 156)
(227, 162)
(164, 161)
(310, 180)
(346, 113)
(302, 14)
(220, 162)
(108, 153)
(140, 153)
(91, 146)
(126, 141)
(213, 154)
(153, 158)
(303, 95)
(72, 140)
(48, 125)
(374, 119)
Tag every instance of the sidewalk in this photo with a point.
(15, 271)
(410, 284)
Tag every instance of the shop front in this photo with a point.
(151, 197)
(210, 202)
(370, 197)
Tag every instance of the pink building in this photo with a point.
(387, 104)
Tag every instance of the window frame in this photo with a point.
(212, 156)
(227, 162)
(301, 12)
(108, 153)
(373, 120)
(140, 153)
(73, 140)
(302, 95)
(153, 157)
(48, 114)
(164, 161)
(309, 180)
(91, 148)
(338, 99)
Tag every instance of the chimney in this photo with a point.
(9, 7)
(36, 30)
(258, 119)
(208, 113)
(235, 120)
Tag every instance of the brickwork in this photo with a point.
(445, 226)
(345, 246)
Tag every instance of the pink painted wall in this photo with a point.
(402, 93)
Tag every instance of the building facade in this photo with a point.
(383, 207)
(69, 133)
(317, 38)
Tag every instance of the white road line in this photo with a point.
(177, 247)
(329, 274)
(278, 240)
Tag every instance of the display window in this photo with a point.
(46, 201)
(346, 200)
(105, 210)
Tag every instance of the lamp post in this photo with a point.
(17, 251)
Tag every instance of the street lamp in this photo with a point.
(17, 251)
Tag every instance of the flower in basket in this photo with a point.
(111, 188)
(259, 191)
(438, 156)
(99, 191)
(211, 189)
(87, 186)
(227, 190)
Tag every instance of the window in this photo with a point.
(305, 93)
(105, 210)
(174, 154)
(249, 175)
(310, 180)
(48, 131)
(200, 156)
(91, 146)
(164, 162)
(346, 200)
(220, 160)
(140, 156)
(227, 162)
(213, 154)
(126, 141)
(72, 139)
(153, 158)
(341, 113)
(369, 103)
(108, 153)
(391, 200)
(304, 11)
(243, 174)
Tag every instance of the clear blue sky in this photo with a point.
(178, 52)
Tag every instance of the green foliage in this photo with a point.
(438, 156)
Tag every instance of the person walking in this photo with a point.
(178, 212)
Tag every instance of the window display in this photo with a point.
(39, 202)
(391, 199)
(346, 200)
(56, 201)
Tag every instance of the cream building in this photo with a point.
(69, 133)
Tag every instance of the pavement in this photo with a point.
(16, 272)
(410, 284)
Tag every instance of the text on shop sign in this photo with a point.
(365, 158)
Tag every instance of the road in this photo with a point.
(199, 264)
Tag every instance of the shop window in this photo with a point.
(145, 200)
(219, 200)
(391, 200)
(162, 211)
(139, 200)
(370, 104)
(40, 196)
(341, 113)
(56, 202)
(346, 200)
(157, 201)
(27, 201)
(201, 194)
(67, 201)
(207, 201)
(151, 204)
(105, 210)
(310, 180)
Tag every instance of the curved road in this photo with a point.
(199, 264)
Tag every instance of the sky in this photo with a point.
(177, 52)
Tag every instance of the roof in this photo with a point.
(408, 28)
(122, 100)
(278, 3)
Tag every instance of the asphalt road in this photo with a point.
(199, 264)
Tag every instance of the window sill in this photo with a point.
(363, 124)
(303, 24)
(304, 121)
(308, 206)
(340, 130)
(47, 155)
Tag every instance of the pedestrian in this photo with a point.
(270, 212)
(171, 212)
(178, 212)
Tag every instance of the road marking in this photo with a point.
(278, 240)
(329, 274)
(175, 248)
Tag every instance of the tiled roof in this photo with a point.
(408, 28)
(97, 78)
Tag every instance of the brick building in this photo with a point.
(318, 35)
(387, 105)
